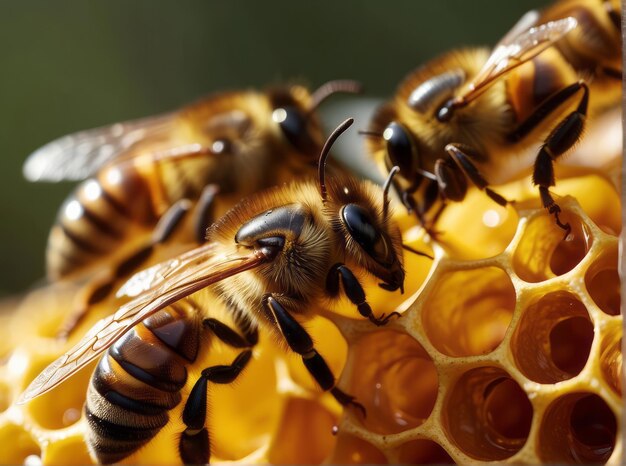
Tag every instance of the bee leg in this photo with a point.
(462, 155)
(559, 141)
(205, 214)
(301, 343)
(230, 336)
(194, 444)
(99, 288)
(354, 291)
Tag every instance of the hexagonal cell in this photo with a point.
(423, 452)
(611, 363)
(603, 282)
(23, 446)
(487, 414)
(305, 434)
(395, 380)
(353, 450)
(469, 311)
(577, 428)
(544, 252)
(553, 338)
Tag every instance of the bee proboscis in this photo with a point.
(272, 260)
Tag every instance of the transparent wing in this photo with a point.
(79, 155)
(162, 285)
(516, 48)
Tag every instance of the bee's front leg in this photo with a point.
(354, 291)
(300, 342)
(464, 156)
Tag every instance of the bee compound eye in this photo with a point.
(293, 125)
(362, 229)
(401, 149)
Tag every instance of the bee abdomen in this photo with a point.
(137, 382)
(123, 414)
(95, 220)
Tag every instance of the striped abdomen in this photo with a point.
(97, 219)
(138, 381)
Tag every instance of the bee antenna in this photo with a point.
(415, 251)
(321, 167)
(332, 87)
(386, 187)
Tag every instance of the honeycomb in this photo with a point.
(508, 350)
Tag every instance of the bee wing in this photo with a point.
(79, 155)
(169, 282)
(517, 47)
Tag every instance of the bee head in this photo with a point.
(371, 240)
(294, 113)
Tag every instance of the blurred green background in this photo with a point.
(71, 65)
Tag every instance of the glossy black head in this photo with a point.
(294, 112)
(401, 150)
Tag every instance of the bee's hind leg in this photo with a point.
(194, 443)
(100, 287)
(301, 343)
(566, 133)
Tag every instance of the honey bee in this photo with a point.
(273, 260)
(133, 172)
(475, 115)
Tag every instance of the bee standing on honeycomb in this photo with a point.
(272, 260)
(219, 149)
(477, 115)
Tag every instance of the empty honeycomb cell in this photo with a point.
(544, 252)
(353, 450)
(611, 363)
(577, 428)
(17, 445)
(396, 382)
(423, 452)
(305, 434)
(553, 338)
(61, 406)
(603, 282)
(472, 322)
(69, 450)
(487, 414)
